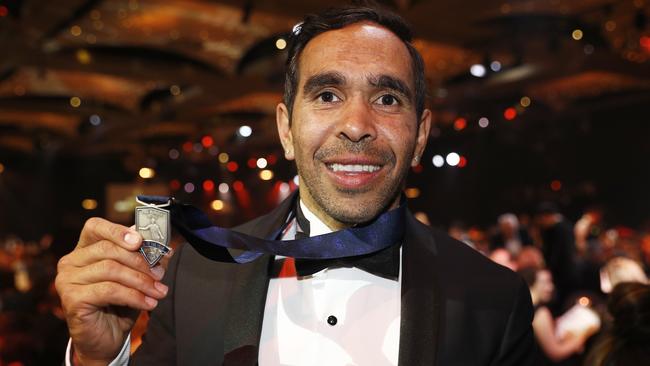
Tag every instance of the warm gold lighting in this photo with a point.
(223, 158)
(75, 102)
(584, 301)
(175, 90)
(525, 102)
(610, 25)
(577, 34)
(75, 30)
(124, 206)
(281, 43)
(412, 192)
(217, 205)
(147, 173)
(89, 204)
(2, 168)
(83, 56)
(19, 90)
(266, 174)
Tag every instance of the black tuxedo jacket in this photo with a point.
(458, 308)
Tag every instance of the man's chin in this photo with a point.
(353, 209)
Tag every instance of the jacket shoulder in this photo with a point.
(462, 268)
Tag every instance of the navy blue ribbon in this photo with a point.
(213, 241)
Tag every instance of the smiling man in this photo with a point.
(354, 121)
(353, 126)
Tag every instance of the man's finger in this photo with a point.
(112, 293)
(112, 271)
(105, 249)
(96, 229)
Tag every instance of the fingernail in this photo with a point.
(161, 287)
(150, 301)
(131, 238)
(157, 271)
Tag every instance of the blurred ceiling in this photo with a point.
(137, 77)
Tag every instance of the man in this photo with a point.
(510, 235)
(353, 119)
(558, 247)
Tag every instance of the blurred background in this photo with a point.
(540, 108)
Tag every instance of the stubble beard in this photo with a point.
(366, 209)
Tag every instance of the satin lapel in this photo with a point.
(420, 306)
(248, 296)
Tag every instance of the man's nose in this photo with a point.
(357, 122)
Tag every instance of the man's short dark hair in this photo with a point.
(337, 18)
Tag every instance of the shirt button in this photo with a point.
(331, 320)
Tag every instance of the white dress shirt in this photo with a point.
(299, 314)
(338, 316)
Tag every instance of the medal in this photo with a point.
(153, 223)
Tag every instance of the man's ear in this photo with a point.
(422, 137)
(284, 130)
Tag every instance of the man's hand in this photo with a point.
(103, 284)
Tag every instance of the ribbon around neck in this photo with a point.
(213, 241)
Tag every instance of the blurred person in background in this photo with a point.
(558, 247)
(627, 340)
(587, 229)
(504, 258)
(554, 350)
(32, 329)
(589, 258)
(530, 257)
(459, 231)
(619, 270)
(510, 235)
(645, 251)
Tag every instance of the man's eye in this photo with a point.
(388, 100)
(328, 97)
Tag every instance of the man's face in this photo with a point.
(354, 131)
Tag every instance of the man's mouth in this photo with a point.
(354, 174)
(353, 168)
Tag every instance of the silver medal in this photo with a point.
(153, 223)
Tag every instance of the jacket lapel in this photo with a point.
(248, 296)
(420, 306)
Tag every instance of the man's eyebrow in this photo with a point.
(319, 81)
(392, 83)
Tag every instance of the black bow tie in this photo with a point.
(384, 263)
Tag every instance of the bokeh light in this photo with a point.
(438, 161)
(453, 159)
(147, 173)
(217, 205)
(266, 174)
(89, 204)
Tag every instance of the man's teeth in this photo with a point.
(354, 168)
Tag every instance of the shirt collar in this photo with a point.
(316, 226)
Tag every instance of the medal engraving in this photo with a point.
(153, 224)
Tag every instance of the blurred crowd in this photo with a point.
(588, 283)
(32, 327)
